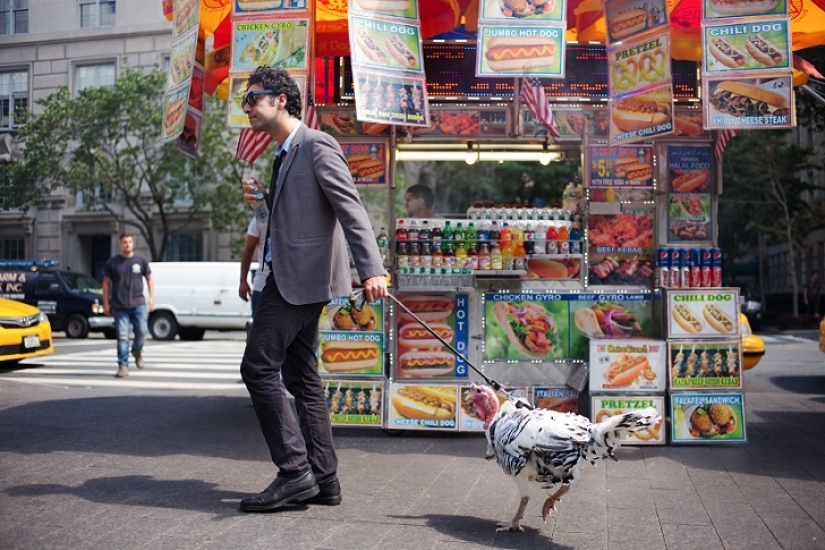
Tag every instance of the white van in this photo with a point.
(191, 297)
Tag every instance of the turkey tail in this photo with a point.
(607, 434)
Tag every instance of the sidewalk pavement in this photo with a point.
(104, 469)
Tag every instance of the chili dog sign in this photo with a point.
(758, 46)
(703, 313)
(624, 365)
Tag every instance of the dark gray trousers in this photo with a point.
(282, 344)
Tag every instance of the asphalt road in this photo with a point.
(85, 466)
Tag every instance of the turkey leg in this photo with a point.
(514, 523)
(550, 503)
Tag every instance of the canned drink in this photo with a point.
(675, 268)
(705, 266)
(716, 268)
(684, 267)
(663, 267)
(695, 270)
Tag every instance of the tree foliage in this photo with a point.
(105, 143)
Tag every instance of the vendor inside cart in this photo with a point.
(419, 202)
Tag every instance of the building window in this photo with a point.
(90, 76)
(12, 248)
(97, 13)
(185, 247)
(14, 17)
(14, 98)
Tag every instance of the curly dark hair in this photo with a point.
(279, 81)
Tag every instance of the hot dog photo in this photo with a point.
(524, 327)
(351, 354)
(533, 10)
(520, 50)
(763, 46)
(423, 406)
(743, 8)
(384, 44)
(628, 365)
(699, 312)
(420, 353)
(628, 18)
(642, 116)
(689, 169)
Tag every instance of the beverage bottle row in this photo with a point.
(525, 214)
(689, 267)
(432, 277)
(478, 256)
(563, 237)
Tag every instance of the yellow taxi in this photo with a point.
(753, 347)
(822, 335)
(24, 332)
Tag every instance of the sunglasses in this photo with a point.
(251, 98)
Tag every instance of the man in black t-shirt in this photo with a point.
(123, 298)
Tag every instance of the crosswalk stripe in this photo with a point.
(146, 373)
(127, 383)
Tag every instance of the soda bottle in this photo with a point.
(530, 239)
(482, 234)
(520, 256)
(496, 258)
(705, 266)
(458, 233)
(449, 254)
(401, 255)
(541, 239)
(564, 240)
(425, 234)
(460, 255)
(400, 232)
(484, 259)
(551, 238)
(505, 236)
(412, 232)
(507, 255)
(494, 234)
(575, 239)
(663, 268)
(426, 254)
(469, 234)
(437, 255)
(695, 269)
(472, 256)
(414, 255)
(716, 268)
(383, 241)
(675, 270)
(447, 232)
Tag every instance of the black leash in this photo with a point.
(357, 300)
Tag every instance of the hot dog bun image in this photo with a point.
(370, 169)
(426, 364)
(354, 161)
(175, 114)
(743, 7)
(416, 337)
(688, 123)
(717, 318)
(627, 23)
(427, 308)
(763, 51)
(370, 48)
(425, 402)
(635, 113)
(742, 99)
(685, 318)
(347, 356)
(401, 53)
(510, 54)
(384, 5)
(626, 369)
(528, 327)
(727, 54)
(688, 181)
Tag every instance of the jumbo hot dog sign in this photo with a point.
(537, 51)
(701, 313)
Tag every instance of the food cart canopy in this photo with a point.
(585, 23)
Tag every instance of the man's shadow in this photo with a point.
(141, 490)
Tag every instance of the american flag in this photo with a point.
(251, 144)
(722, 139)
(533, 93)
(311, 115)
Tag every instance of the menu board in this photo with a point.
(753, 46)
(703, 313)
(423, 407)
(709, 364)
(604, 407)
(629, 18)
(607, 315)
(555, 398)
(765, 103)
(351, 339)
(690, 205)
(707, 417)
(355, 402)
(367, 161)
(271, 42)
(620, 166)
(525, 326)
(641, 116)
(627, 365)
(422, 355)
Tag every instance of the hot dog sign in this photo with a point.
(537, 51)
(703, 313)
(624, 365)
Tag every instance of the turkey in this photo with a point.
(548, 447)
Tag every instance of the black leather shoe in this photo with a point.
(329, 494)
(280, 492)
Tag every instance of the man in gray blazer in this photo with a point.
(314, 206)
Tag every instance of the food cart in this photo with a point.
(607, 317)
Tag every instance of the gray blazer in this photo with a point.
(314, 199)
